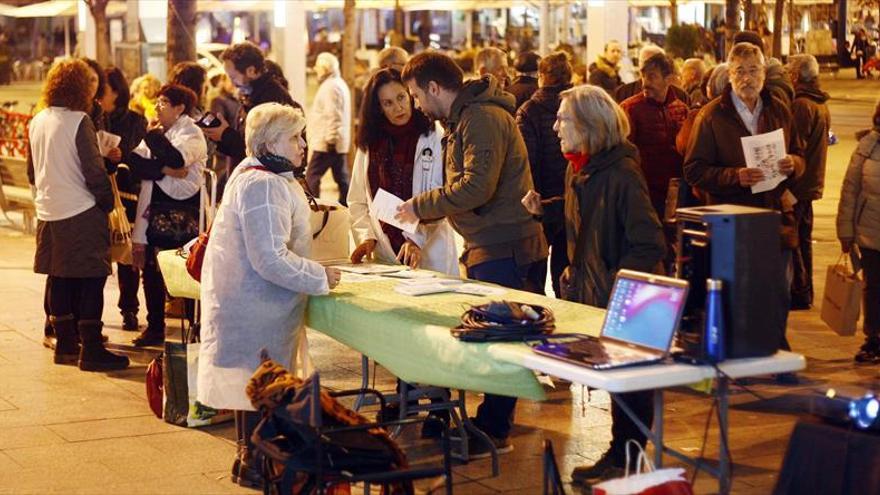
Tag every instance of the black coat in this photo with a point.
(522, 88)
(131, 127)
(264, 89)
(535, 120)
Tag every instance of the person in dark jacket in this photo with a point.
(812, 121)
(655, 117)
(535, 120)
(131, 127)
(604, 72)
(193, 76)
(487, 174)
(610, 225)
(715, 162)
(73, 197)
(525, 83)
(244, 63)
(859, 52)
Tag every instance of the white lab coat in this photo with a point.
(256, 279)
(436, 239)
(188, 139)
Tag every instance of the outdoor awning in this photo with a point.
(59, 8)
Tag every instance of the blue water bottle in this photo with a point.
(713, 335)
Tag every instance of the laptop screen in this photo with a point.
(644, 312)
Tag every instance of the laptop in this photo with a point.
(644, 311)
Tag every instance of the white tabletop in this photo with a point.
(649, 377)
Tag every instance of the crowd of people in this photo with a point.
(526, 167)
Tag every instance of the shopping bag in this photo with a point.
(331, 225)
(180, 371)
(841, 302)
(645, 480)
(120, 229)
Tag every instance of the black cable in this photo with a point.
(705, 438)
(504, 321)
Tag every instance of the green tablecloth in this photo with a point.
(409, 335)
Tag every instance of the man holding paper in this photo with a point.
(487, 173)
(747, 119)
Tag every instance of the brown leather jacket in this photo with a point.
(715, 155)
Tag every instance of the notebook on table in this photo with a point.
(644, 311)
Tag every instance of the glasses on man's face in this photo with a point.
(743, 72)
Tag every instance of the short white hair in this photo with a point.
(597, 117)
(328, 62)
(490, 58)
(744, 50)
(269, 123)
(391, 55)
(719, 80)
(649, 51)
(805, 66)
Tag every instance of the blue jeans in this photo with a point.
(495, 414)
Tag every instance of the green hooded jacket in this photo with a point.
(487, 170)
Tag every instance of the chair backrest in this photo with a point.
(13, 172)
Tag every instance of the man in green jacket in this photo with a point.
(487, 174)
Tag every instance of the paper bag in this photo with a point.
(120, 229)
(331, 226)
(841, 302)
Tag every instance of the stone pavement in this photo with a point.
(62, 430)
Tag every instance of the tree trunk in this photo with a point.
(792, 22)
(778, 11)
(98, 9)
(399, 23)
(350, 39)
(673, 9)
(731, 19)
(748, 13)
(181, 32)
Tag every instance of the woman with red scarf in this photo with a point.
(399, 150)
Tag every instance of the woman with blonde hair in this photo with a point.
(256, 276)
(73, 198)
(610, 225)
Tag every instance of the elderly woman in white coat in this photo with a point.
(858, 224)
(257, 276)
(400, 151)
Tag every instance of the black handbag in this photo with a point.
(172, 222)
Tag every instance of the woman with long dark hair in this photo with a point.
(398, 150)
(131, 127)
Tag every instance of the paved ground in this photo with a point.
(62, 430)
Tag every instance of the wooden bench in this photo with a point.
(15, 191)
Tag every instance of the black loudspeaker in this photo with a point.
(741, 246)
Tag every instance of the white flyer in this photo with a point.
(384, 207)
(107, 141)
(764, 151)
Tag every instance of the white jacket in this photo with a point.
(188, 139)
(330, 116)
(436, 239)
(256, 279)
(858, 213)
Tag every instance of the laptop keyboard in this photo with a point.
(598, 351)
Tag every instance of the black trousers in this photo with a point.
(129, 279)
(871, 268)
(802, 257)
(81, 297)
(623, 428)
(495, 414)
(318, 166)
(154, 292)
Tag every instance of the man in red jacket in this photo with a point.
(655, 117)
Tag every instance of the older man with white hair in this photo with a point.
(716, 165)
(631, 89)
(329, 127)
(812, 122)
(493, 61)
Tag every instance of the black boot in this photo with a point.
(149, 337)
(66, 342)
(93, 356)
(246, 468)
(130, 321)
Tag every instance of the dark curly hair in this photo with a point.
(190, 75)
(179, 95)
(67, 85)
(116, 81)
(369, 130)
(244, 55)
